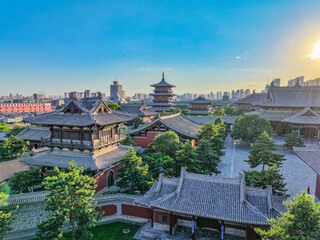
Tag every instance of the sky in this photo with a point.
(202, 46)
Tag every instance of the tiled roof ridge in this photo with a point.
(76, 102)
(255, 210)
(170, 116)
(37, 128)
(301, 112)
(210, 178)
(181, 179)
(97, 104)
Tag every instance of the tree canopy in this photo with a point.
(15, 131)
(137, 122)
(12, 148)
(167, 143)
(159, 163)
(128, 141)
(4, 127)
(6, 218)
(132, 173)
(114, 106)
(293, 139)
(249, 127)
(208, 158)
(26, 181)
(262, 152)
(186, 157)
(271, 176)
(301, 222)
(69, 202)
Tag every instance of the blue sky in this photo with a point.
(203, 46)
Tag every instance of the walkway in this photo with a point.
(298, 175)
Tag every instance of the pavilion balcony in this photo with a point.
(67, 143)
(109, 140)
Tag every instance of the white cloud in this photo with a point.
(237, 57)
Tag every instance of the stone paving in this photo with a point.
(298, 175)
(183, 233)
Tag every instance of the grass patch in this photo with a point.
(111, 231)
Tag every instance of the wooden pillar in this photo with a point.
(60, 136)
(152, 217)
(171, 223)
(193, 230)
(81, 137)
(250, 233)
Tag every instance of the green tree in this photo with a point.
(6, 218)
(167, 143)
(301, 222)
(159, 163)
(15, 131)
(229, 111)
(12, 148)
(69, 202)
(3, 127)
(137, 122)
(207, 156)
(186, 157)
(26, 181)
(271, 176)
(262, 153)
(114, 106)
(240, 112)
(219, 111)
(215, 134)
(293, 139)
(128, 141)
(249, 127)
(132, 173)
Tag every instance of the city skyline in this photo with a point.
(60, 47)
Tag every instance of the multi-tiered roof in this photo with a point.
(200, 106)
(162, 95)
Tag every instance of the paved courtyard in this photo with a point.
(183, 233)
(298, 175)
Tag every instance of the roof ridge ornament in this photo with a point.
(163, 76)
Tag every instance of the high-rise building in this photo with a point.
(276, 82)
(116, 88)
(87, 93)
(247, 92)
(296, 80)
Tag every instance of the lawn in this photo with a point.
(111, 231)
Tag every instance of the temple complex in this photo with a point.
(200, 106)
(162, 94)
(201, 201)
(292, 108)
(181, 125)
(139, 109)
(87, 133)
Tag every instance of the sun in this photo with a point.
(316, 53)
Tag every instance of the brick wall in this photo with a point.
(136, 211)
(145, 141)
(108, 210)
(102, 177)
(24, 107)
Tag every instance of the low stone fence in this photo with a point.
(31, 211)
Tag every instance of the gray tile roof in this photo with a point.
(162, 83)
(207, 119)
(83, 117)
(310, 155)
(9, 168)
(34, 133)
(213, 197)
(274, 115)
(2, 136)
(254, 98)
(305, 116)
(62, 159)
(296, 96)
(137, 109)
(175, 122)
(200, 100)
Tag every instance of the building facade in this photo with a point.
(24, 107)
(88, 134)
(200, 106)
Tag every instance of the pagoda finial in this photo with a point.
(162, 75)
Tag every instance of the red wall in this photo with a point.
(318, 186)
(156, 213)
(248, 106)
(145, 141)
(24, 107)
(102, 177)
(108, 210)
(136, 211)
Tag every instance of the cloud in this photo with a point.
(237, 57)
(166, 69)
(145, 69)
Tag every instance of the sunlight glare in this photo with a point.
(316, 53)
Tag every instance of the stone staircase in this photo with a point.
(146, 232)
